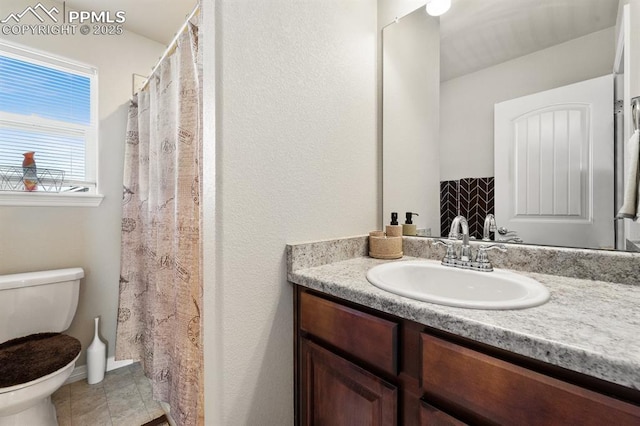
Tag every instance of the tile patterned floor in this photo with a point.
(123, 398)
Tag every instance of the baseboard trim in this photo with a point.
(80, 371)
(112, 364)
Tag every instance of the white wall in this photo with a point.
(634, 42)
(466, 103)
(388, 10)
(411, 86)
(631, 87)
(294, 117)
(37, 238)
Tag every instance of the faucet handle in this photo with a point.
(510, 240)
(487, 247)
(450, 256)
(504, 231)
(482, 260)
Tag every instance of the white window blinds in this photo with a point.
(47, 105)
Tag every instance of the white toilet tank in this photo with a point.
(38, 302)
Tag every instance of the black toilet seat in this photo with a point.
(28, 358)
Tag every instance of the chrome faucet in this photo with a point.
(451, 258)
(454, 233)
(489, 227)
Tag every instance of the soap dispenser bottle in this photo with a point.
(409, 228)
(394, 229)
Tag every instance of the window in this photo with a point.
(48, 105)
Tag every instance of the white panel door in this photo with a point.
(554, 165)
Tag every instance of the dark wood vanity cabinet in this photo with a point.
(356, 366)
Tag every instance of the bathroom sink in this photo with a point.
(430, 281)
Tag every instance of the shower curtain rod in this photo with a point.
(171, 45)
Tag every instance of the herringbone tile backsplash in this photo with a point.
(471, 197)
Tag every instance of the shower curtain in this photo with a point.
(159, 316)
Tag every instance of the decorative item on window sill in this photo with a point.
(41, 179)
(29, 172)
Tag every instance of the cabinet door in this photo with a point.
(336, 392)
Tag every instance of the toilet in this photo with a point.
(35, 358)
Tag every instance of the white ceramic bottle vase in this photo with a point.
(96, 358)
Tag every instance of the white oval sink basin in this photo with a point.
(430, 281)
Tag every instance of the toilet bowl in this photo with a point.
(35, 359)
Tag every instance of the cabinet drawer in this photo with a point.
(505, 393)
(431, 416)
(367, 337)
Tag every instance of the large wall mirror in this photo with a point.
(509, 108)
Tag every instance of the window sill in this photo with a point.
(48, 199)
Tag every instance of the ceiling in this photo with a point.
(158, 20)
(476, 34)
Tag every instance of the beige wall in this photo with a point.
(295, 159)
(466, 103)
(38, 238)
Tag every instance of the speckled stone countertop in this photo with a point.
(588, 326)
